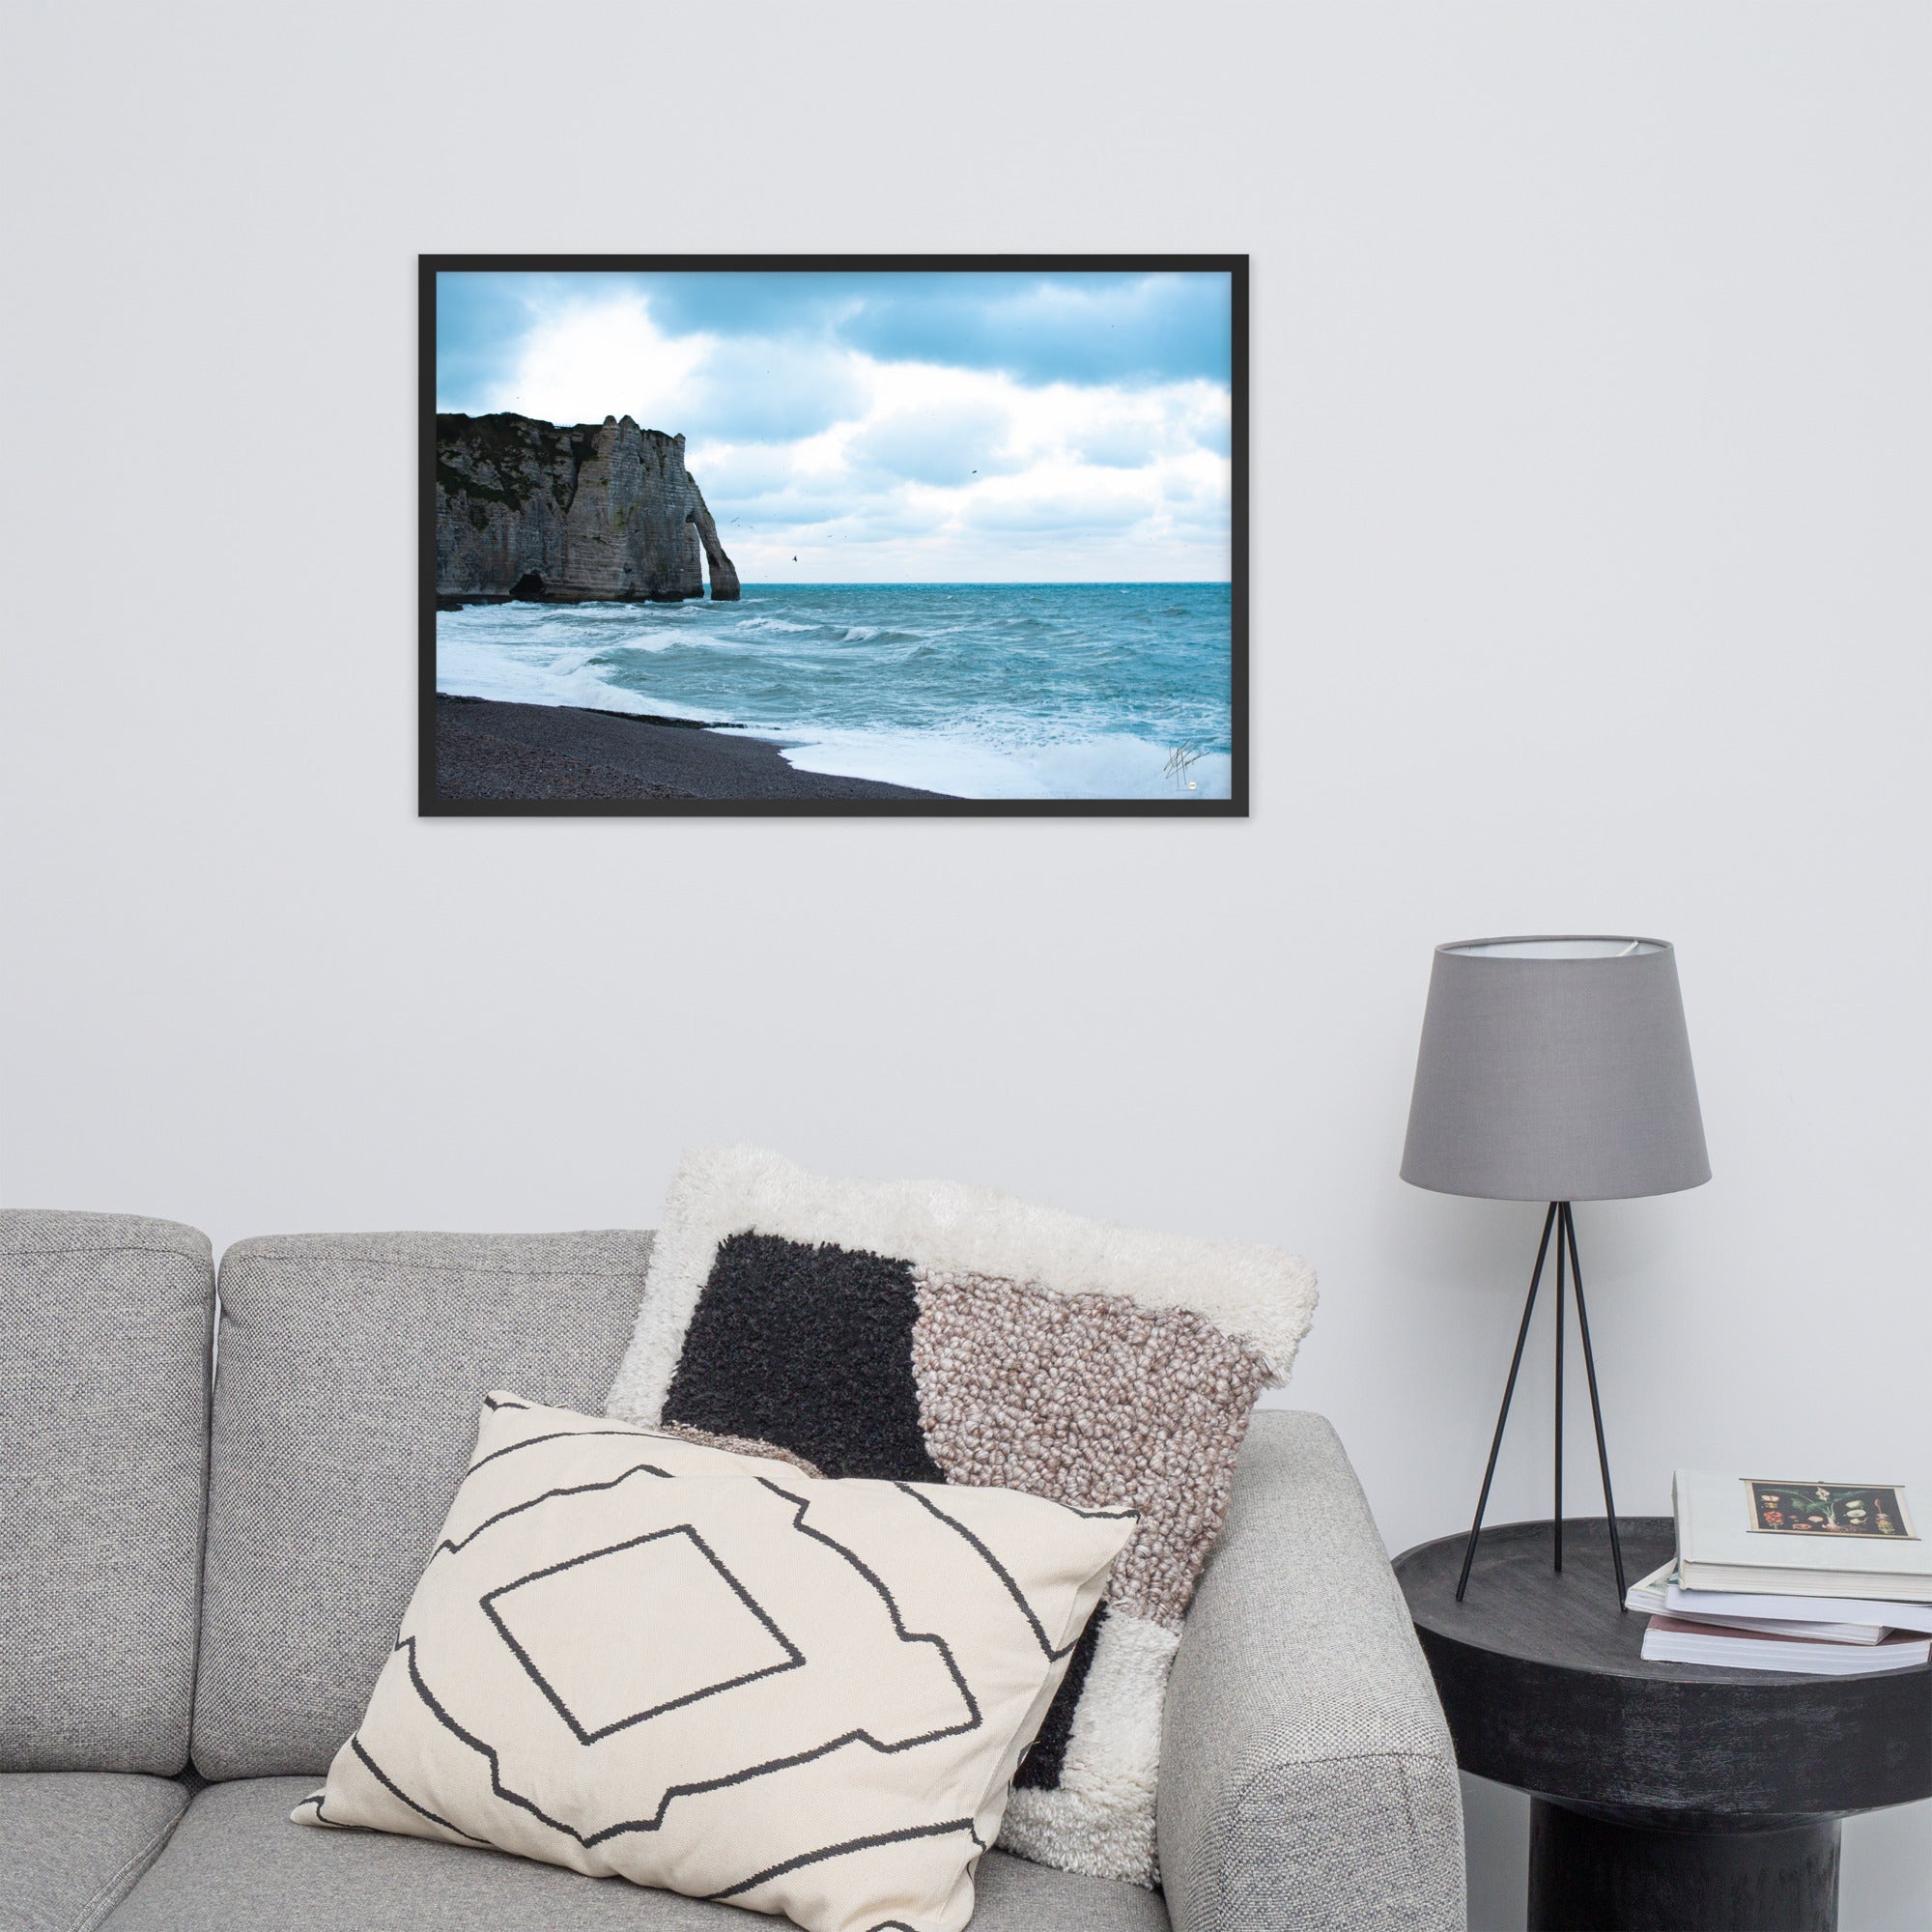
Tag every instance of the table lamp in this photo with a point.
(1555, 1069)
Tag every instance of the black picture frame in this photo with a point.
(430, 803)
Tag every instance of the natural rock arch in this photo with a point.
(724, 573)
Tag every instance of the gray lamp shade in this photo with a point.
(1555, 1069)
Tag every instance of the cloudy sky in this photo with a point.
(891, 427)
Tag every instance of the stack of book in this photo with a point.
(1826, 1579)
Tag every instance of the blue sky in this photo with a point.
(891, 427)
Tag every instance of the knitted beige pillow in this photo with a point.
(936, 1333)
(639, 1655)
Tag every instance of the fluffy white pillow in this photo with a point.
(930, 1332)
(637, 1655)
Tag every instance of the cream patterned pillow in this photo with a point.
(637, 1655)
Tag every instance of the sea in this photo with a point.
(1085, 690)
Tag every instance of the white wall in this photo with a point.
(1591, 414)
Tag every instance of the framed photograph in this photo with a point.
(834, 535)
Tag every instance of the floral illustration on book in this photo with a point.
(1829, 1509)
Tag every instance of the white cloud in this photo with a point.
(823, 465)
(589, 360)
(944, 442)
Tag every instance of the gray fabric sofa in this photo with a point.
(200, 1576)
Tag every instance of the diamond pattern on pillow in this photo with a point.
(641, 1656)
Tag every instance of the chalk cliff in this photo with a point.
(598, 512)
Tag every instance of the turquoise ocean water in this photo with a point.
(979, 690)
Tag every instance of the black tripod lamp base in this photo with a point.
(1562, 1224)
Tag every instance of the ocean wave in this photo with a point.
(567, 662)
(671, 641)
(993, 691)
(878, 634)
(652, 645)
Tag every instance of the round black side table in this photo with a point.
(1670, 1797)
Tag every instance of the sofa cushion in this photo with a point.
(352, 1368)
(103, 1410)
(71, 1843)
(636, 1653)
(237, 1864)
(925, 1331)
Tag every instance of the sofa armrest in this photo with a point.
(1307, 1779)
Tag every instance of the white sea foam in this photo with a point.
(1113, 765)
(562, 677)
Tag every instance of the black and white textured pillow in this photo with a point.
(640, 1657)
(931, 1332)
